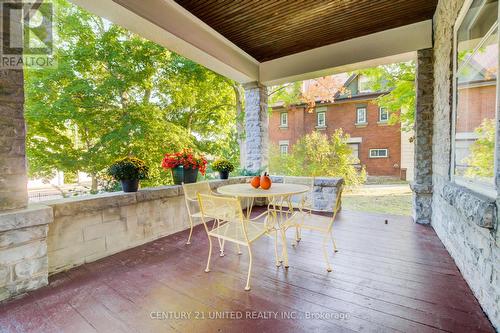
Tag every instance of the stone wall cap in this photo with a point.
(473, 206)
(33, 215)
(328, 181)
(156, 193)
(89, 203)
(86, 203)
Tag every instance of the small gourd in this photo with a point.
(255, 182)
(265, 182)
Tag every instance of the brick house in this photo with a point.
(375, 143)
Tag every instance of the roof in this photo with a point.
(269, 30)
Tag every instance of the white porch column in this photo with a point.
(424, 115)
(256, 127)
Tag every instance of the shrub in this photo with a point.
(222, 166)
(316, 155)
(129, 168)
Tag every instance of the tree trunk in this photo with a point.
(93, 188)
(240, 126)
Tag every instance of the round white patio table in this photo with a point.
(277, 195)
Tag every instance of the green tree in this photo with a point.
(115, 94)
(399, 80)
(316, 155)
(480, 162)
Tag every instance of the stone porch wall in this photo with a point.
(89, 228)
(466, 222)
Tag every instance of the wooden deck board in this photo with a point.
(387, 278)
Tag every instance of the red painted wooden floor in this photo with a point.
(386, 278)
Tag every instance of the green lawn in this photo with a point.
(389, 201)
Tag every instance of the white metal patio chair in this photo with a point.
(191, 198)
(232, 226)
(321, 224)
(303, 202)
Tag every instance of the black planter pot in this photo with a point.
(129, 185)
(224, 174)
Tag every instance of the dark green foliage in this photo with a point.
(128, 168)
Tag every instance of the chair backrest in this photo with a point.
(221, 208)
(337, 204)
(225, 210)
(191, 190)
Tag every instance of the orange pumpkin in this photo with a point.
(255, 182)
(265, 181)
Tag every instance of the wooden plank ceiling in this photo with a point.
(270, 29)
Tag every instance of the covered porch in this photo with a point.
(131, 270)
(386, 278)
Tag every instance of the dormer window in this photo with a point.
(364, 84)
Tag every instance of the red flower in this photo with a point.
(187, 159)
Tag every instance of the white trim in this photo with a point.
(358, 108)
(284, 151)
(284, 124)
(357, 53)
(283, 142)
(380, 115)
(357, 139)
(318, 125)
(378, 149)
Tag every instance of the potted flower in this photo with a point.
(129, 171)
(185, 165)
(224, 167)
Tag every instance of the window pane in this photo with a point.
(361, 115)
(384, 114)
(476, 77)
(321, 119)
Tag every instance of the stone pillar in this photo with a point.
(256, 127)
(13, 180)
(422, 185)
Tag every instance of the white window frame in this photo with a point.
(359, 108)
(284, 149)
(482, 188)
(323, 113)
(284, 123)
(378, 150)
(380, 115)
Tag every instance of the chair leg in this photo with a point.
(285, 251)
(191, 230)
(223, 243)
(334, 245)
(278, 263)
(207, 269)
(297, 235)
(325, 252)
(247, 287)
